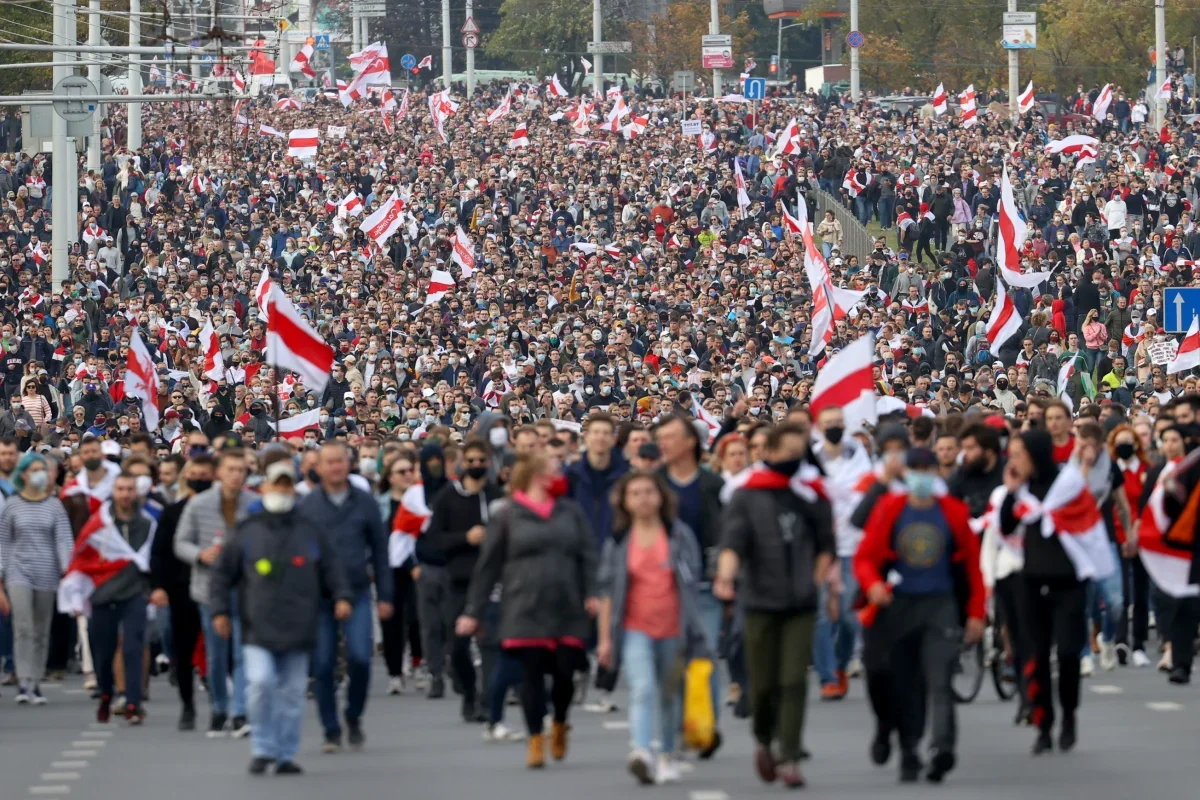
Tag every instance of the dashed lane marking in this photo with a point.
(42, 791)
(713, 794)
(89, 743)
(78, 753)
(1106, 688)
(68, 764)
(60, 776)
(97, 734)
(1164, 705)
(616, 725)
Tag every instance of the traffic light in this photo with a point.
(774, 68)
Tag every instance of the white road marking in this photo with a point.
(1106, 688)
(617, 725)
(74, 691)
(68, 764)
(89, 743)
(51, 685)
(44, 790)
(97, 734)
(60, 776)
(78, 753)
(1165, 705)
(716, 794)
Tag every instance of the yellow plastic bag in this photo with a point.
(699, 722)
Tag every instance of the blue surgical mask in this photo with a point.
(920, 484)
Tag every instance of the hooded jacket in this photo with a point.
(488, 420)
(444, 540)
(591, 489)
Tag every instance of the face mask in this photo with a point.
(557, 486)
(1125, 450)
(92, 464)
(834, 435)
(920, 484)
(787, 468)
(143, 483)
(476, 473)
(366, 465)
(198, 486)
(498, 436)
(278, 503)
(38, 481)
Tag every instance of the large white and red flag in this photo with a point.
(100, 554)
(847, 382)
(1168, 565)
(1069, 511)
(267, 130)
(262, 295)
(1075, 144)
(463, 251)
(376, 69)
(1188, 355)
(363, 58)
(210, 348)
(1025, 101)
(239, 82)
(351, 205)
(743, 199)
(294, 426)
(888, 404)
(386, 220)
(141, 379)
(501, 111)
(303, 143)
(520, 137)
(940, 104)
(426, 63)
(967, 107)
(1004, 321)
(293, 344)
(303, 61)
(1013, 231)
(440, 282)
(1103, 101)
(1164, 91)
(554, 88)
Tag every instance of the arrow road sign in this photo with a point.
(408, 61)
(755, 88)
(470, 40)
(1180, 304)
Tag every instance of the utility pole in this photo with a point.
(714, 28)
(1014, 77)
(65, 164)
(447, 54)
(135, 75)
(1160, 60)
(470, 55)
(93, 70)
(598, 36)
(855, 91)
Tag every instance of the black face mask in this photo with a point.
(834, 435)
(312, 476)
(1125, 450)
(476, 473)
(199, 486)
(256, 412)
(93, 464)
(787, 468)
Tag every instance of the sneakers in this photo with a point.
(501, 733)
(437, 689)
(910, 768)
(1087, 666)
(640, 767)
(1066, 737)
(89, 682)
(162, 663)
(216, 726)
(535, 757)
(258, 766)
(187, 719)
(855, 668)
(395, 686)
(38, 699)
(1180, 676)
(764, 764)
(288, 768)
(23, 697)
(939, 766)
(1139, 659)
(240, 728)
(558, 740)
(1165, 663)
(134, 715)
(843, 681)
(712, 749)
(354, 734)
(332, 743)
(831, 691)
(667, 770)
(789, 775)
(603, 705)
(1108, 655)
(104, 710)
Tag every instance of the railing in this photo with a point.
(856, 239)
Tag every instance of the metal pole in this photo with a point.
(93, 70)
(779, 52)
(447, 55)
(72, 33)
(470, 56)
(48, 99)
(714, 28)
(854, 72)
(1014, 77)
(135, 76)
(194, 32)
(64, 165)
(116, 49)
(1160, 58)
(598, 36)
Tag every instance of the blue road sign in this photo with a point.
(1179, 306)
(408, 61)
(855, 39)
(321, 41)
(755, 88)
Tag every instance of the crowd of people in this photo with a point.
(595, 452)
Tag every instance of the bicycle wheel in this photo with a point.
(967, 676)
(1004, 677)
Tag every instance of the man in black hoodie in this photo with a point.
(432, 579)
(460, 514)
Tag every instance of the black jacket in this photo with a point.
(974, 489)
(709, 535)
(455, 511)
(282, 565)
(166, 571)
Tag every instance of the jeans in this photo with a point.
(712, 611)
(648, 665)
(1104, 600)
(6, 645)
(833, 646)
(508, 673)
(217, 651)
(1137, 595)
(827, 249)
(863, 209)
(358, 630)
(887, 206)
(125, 620)
(276, 683)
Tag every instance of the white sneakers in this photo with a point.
(501, 733)
(395, 685)
(1087, 666)
(1108, 655)
(1139, 659)
(641, 766)
(668, 769)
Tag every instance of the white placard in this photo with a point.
(1163, 353)
(336, 132)
(692, 127)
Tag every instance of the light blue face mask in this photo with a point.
(920, 484)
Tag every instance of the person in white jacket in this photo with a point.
(1001, 564)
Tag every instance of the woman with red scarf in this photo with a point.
(541, 550)
(1128, 453)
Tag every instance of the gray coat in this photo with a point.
(547, 568)
(200, 525)
(613, 580)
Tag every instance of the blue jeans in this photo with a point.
(863, 209)
(827, 249)
(508, 673)
(886, 206)
(276, 687)
(712, 612)
(833, 645)
(217, 651)
(647, 663)
(1106, 601)
(359, 632)
(6, 645)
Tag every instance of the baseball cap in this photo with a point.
(280, 469)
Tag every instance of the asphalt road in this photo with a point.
(1137, 738)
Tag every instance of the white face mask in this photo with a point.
(366, 465)
(143, 483)
(498, 436)
(38, 481)
(278, 502)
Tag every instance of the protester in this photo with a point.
(396, 477)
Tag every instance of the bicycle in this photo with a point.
(975, 660)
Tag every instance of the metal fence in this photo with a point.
(856, 239)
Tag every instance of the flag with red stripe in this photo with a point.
(293, 344)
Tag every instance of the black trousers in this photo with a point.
(877, 663)
(403, 627)
(63, 633)
(560, 665)
(1010, 597)
(1135, 585)
(1055, 618)
(185, 631)
(1184, 623)
(925, 636)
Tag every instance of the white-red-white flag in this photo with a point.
(239, 81)
(267, 130)
(1164, 91)
(262, 295)
(141, 379)
(847, 382)
(426, 63)
(1004, 321)
(101, 553)
(520, 137)
(743, 199)
(1188, 355)
(303, 61)
(587, 65)
(1013, 232)
(293, 427)
(1072, 145)
(966, 105)
(788, 141)
(1026, 101)
(554, 88)
(351, 205)
(440, 282)
(303, 143)
(210, 347)
(293, 344)
(463, 251)
(940, 103)
(1168, 564)
(363, 58)
(501, 111)
(1103, 101)
(386, 220)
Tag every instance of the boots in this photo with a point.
(536, 758)
(558, 740)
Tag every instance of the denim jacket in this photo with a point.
(613, 580)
